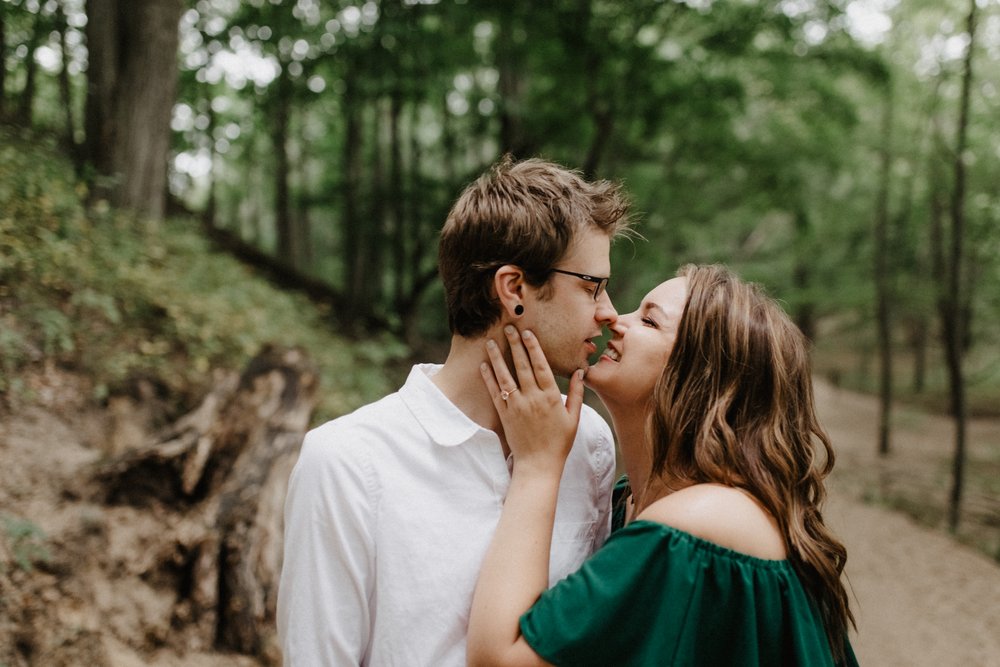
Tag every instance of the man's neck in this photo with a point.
(462, 383)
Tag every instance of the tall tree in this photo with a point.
(65, 96)
(953, 325)
(883, 296)
(512, 73)
(131, 88)
(280, 109)
(351, 221)
(3, 59)
(27, 97)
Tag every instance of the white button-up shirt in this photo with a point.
(390, 511)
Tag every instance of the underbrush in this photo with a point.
(117, 299)
(852, 363)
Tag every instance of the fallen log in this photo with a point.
(219, 475)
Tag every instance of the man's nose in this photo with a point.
(606, 313)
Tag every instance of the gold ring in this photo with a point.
(504, 394)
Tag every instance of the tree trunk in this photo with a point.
(397, 194)
(449, 144)
(301, 232)
(280, 391)
(805, 312)
(883, 294)
(953, 326)
(604, 120)
(918, 347)
(511, 84)
(280, 109)
(27, 98)
(350, 221)
(219, 475)
(65, 95)
(3, 60)
(248, 211)
(131, 89)
(209, 216)
(575, 34)
(374, 238)
(971, 279)
(416, 216)
(102, 81)
(301, 222)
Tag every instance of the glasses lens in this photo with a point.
(599, 290)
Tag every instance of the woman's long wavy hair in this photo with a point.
(734, 406)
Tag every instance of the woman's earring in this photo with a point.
(519, 309)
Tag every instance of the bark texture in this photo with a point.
(883, 289)
(131, 89)
(953, 318)
(220, 475)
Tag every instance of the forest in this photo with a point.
(843, 153)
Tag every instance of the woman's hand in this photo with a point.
(540, 430)
(538, 426)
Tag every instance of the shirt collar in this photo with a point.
(444, 422)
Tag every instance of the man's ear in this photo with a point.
(509, 284)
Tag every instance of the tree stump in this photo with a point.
(219, 475)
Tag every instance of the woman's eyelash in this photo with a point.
(649, 321)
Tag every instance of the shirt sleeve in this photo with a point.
(327, 574)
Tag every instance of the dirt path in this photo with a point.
(921, 597)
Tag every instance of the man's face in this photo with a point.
(567, 322)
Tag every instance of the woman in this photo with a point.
(725, 559)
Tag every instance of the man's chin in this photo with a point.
(566, 372)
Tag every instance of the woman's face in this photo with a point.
(640, 345)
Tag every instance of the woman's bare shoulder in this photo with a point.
(722, 515)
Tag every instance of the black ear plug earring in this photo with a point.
(519, 309)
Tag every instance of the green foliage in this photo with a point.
(748, 133)
(97, 292)
(26, 542)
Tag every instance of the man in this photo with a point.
(390, 509)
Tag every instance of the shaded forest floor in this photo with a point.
(73, 592)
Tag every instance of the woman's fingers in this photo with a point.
(539, 364)
(502, 374)
(519, 356)
(538, 426)
(532, 370)
(491, 383)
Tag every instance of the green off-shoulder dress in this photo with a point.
(655, 595)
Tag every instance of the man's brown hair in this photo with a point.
(526, 214)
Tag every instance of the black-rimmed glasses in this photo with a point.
(599, 283)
